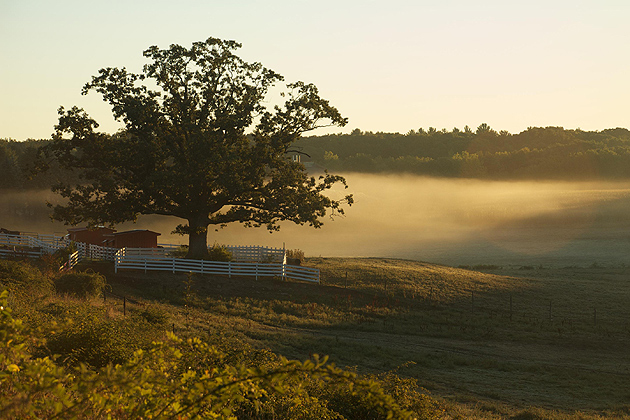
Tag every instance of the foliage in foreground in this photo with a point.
(161, 383)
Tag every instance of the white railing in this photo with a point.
(73, 259)
(256, 253)
(50, 239)
(133, 259)
(249, 253)
(255, 261)
(15, 240)
(101, 252)
(47, 243)
(20, 246)
(147, 253)
(20, 253)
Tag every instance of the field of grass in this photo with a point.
(523, 343)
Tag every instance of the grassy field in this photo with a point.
(489, 343)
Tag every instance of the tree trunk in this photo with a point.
(197, 240)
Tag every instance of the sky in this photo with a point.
(389, 66)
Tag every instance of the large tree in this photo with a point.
(198, 143)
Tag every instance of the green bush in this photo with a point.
(219, 253)
(179, 252)
(82, 284)
(295, 256)
(215, 253)
(87, 336)
(23, 279)
(156, 316)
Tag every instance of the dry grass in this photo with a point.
(482, 359)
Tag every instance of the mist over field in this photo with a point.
(450, 221)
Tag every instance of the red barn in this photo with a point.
(95, 236)
(137, 238)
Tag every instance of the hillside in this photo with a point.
(528, 343)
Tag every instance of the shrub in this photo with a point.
(179, 252)
(156, 316)
(23, 279)
(81, 284)
(88, 337)
(295, 256)
(219, 253)
(215, 253)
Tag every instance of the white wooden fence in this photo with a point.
(33, 245)
(251, 253)
(137, 258)
(256, 254)
(22, 246)
(73, 259)
(252, 261)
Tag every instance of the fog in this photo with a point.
(449, 221)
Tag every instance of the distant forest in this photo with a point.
(17, 158)
(536, 153)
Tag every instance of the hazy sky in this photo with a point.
(389, 65)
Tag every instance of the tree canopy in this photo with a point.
(199, 143)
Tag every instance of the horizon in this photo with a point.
(388, 68)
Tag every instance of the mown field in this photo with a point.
(486, 342)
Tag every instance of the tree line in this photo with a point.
(536, 153)
(17, 161)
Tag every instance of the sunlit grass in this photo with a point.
(454, 325)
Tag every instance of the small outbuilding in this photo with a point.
(94, 236)
(137, 238)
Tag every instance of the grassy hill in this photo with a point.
(487, 343)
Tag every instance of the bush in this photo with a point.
(219, 253)
(156, 316)
(86, 335)
(23, 279)
(81, 284)
(179, 252)
(215, 253)
(295, 256)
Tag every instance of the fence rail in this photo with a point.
(256, 253)
(247, 253)
(129, 260)
(254, 261)
(20, 253)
